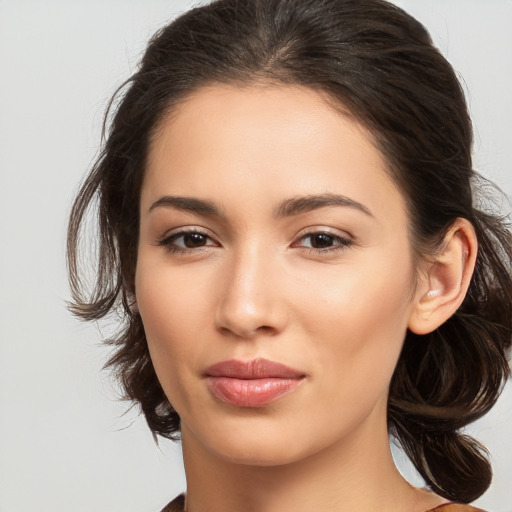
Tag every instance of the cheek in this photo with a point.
(172, 318)
(171, 301)
(359, 323)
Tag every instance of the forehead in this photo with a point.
(272, 140)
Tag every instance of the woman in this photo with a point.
(287, 220)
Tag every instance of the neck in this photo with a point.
(356, 474)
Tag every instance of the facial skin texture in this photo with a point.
(254, 288)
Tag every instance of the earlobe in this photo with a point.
(446, 279)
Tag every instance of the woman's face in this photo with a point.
(271, 233)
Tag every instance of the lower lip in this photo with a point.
(251, 392)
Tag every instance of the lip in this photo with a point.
(254, 383)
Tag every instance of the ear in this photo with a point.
(445, 279)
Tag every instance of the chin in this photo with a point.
(252, 441)
(262, 454)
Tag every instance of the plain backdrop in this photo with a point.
(66, 443)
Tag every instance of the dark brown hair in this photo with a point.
(378, 64)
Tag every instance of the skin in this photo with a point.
(253, 286)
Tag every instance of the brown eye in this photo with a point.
(193, 240)
(323, 242)
(185, 241)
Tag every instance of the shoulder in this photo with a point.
(456, 507)
(176, 505)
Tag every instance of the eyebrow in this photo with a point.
(287, 208)
(302, 204)
(191, 204)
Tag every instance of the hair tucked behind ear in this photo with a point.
(378, 65)
(454, 375)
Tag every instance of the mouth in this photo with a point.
(254, 383)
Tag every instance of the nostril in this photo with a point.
(267, 329)
(247, 332)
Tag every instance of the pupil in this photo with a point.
(321, 240)
(192, 240)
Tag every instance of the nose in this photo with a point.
(251, 302)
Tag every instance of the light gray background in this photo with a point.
(64, 441)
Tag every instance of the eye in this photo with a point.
(323, 242)
(187, 241)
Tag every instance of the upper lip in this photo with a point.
(252, 369)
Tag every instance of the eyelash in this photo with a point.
(342, 243)
(168, 242)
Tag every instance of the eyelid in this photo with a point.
(187, 228)
(167, 239)
(319, 229)
(344, 239)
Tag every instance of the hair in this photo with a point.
(379, 65)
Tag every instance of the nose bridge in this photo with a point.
(248, 302)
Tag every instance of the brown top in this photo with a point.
(456, 507)
(178, 504)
